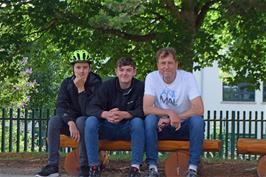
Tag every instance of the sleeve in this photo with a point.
(193, 90)
(98, 103)
(64, 106)
(86, 97)
(138, 111)
(149, 85)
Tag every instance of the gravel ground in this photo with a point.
(28, 164)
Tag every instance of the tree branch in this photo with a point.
(201, 13)
(171, 6)
(133, 37)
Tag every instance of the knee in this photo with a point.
(197, 122)
(137, 123)
(91, 123)
(55, 122)
(151, 122)
(80, 122)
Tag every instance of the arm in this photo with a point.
(196, 108)
(137, 110)
(63, 106)
(98, 102)
(149, 108)
(86, 96)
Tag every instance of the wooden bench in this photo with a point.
(254, 146)
(175, 165)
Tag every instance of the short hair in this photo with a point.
(125, 61)
(165, 52)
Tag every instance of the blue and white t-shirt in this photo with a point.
(175, 96)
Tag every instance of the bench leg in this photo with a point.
(261, 169)
(176, 164)
(72, 165)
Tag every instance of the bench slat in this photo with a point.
(163, 145)
(251, 146)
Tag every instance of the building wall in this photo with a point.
(212, 93)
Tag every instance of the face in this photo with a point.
(125, 75)
(167, 67)
(81, 70)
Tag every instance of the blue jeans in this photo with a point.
(57, 126)
(191, 129)
(97, 128)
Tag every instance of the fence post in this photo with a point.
(221, 137)
(32, 129)
(3, 130)
(233, 135)
(26, 131)
(18, 129)
(10, 143)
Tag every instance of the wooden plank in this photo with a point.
(261, 169)
(163, 145)
(251, 146)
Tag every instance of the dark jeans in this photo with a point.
(57, 126)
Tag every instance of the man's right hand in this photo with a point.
(74, 132)
(163, 122)
(80, 82)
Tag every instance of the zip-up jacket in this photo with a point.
(110, 96)
(71, 104)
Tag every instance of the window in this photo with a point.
(264, 92)
(239, 92)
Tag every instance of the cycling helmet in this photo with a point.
(79, 56)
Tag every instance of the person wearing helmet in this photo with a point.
(75, 93)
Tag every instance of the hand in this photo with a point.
(74, 132)
(163, 122)
(80, 82)
(175, 120)
(112, 116)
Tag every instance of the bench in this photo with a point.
(175, 165)
(256, 147)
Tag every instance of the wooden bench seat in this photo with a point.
(175, 165)
(257, 147)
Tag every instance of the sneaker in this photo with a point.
(48, 170)
(191, 173)
(152, 173)
(94, 171)
(134, 172)
(84, 171)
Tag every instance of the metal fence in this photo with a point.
(24, 130)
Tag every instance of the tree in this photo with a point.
(231, 32)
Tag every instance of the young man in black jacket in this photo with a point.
(116, 114)
(75, 93)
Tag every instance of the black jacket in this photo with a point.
(110, 96)
(70, 103)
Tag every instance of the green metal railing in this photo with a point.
(24, 130)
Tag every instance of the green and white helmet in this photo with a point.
(79, 56)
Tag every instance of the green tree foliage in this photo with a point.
(231, 32)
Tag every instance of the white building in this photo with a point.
(215, 98)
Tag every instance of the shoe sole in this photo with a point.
(51, 175)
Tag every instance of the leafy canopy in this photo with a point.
(229, 32)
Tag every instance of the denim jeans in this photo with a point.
(97, 128)
(191, 129)
(57, 126)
